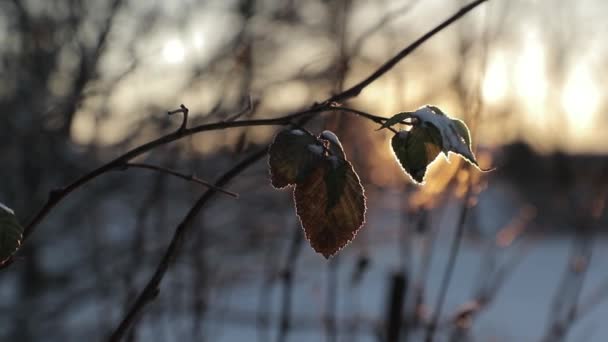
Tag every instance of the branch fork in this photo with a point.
(183, 110)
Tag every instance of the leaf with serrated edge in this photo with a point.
(11, 233)
(395, 119)
(416, 149)
(329, 229)
(453, 137)
(291, 156)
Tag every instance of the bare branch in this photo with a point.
(184, 110)
(251, 104)
(152, 288)
(190, 178)
(356, 89)
(447, 276)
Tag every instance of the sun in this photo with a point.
(174, 52)
(580, 98)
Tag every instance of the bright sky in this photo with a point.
(516, 73)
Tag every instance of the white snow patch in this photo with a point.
(7, 209)
(297, 132)
(451, 140)
(331, 137)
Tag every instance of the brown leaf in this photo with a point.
(330, 228)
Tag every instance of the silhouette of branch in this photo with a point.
(287, 275)
(151, 289)
(381, 23)
(184, 111)
(190, 178)
(357, 88)
(331, 302)
(447, 276)
(57, 195)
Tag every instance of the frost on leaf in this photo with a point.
(433, 131)
(328, 195)
(11, 233)
(455, 136)
(416, 149)
(292, 155)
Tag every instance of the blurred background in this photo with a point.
(85, 81)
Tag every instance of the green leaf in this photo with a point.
(292, 155)
(416, 149)
(395, 119)
(11, 233)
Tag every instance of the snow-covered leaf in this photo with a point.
(11, 233)
(455, 136)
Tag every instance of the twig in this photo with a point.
(57, 195)
(287, 275)
(250, 107)
(190, 178)
(447, 276)
(184, 110)
(152, 287)
(381, 23)
(357, 88)
(332, 300)
(394, 306)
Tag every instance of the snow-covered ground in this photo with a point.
(519, 311)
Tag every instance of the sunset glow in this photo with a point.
(580, 98)
(531, 79)
(174, 52)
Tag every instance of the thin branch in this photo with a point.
(287, 276)
(152, 287)
(184, 111)
(251, 104)
(447, 276)
(381, 23)
(190, 178)
(357, 88)
(58, 195)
